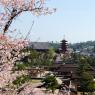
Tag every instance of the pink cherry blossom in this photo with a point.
(9, 53)
(9, 48)
(12, 8)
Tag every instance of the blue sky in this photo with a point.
(74, 18)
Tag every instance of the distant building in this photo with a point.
(40, 46)
(69, 70)
(61, 49)
(64, 46)
(58, 59)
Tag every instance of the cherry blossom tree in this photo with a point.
(11, 9)
(9, 54)
(10, 49)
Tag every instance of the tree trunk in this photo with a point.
(83, 93)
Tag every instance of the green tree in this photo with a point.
(50, 83)
(94, 49)
(21, 80)
(85, 77)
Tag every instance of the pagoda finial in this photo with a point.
(64, 37)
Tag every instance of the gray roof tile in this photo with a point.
(40, 45)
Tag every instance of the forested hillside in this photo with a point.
(82, 45)
(75, 46)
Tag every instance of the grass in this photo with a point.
(35, 81)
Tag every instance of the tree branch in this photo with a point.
(14, 14)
